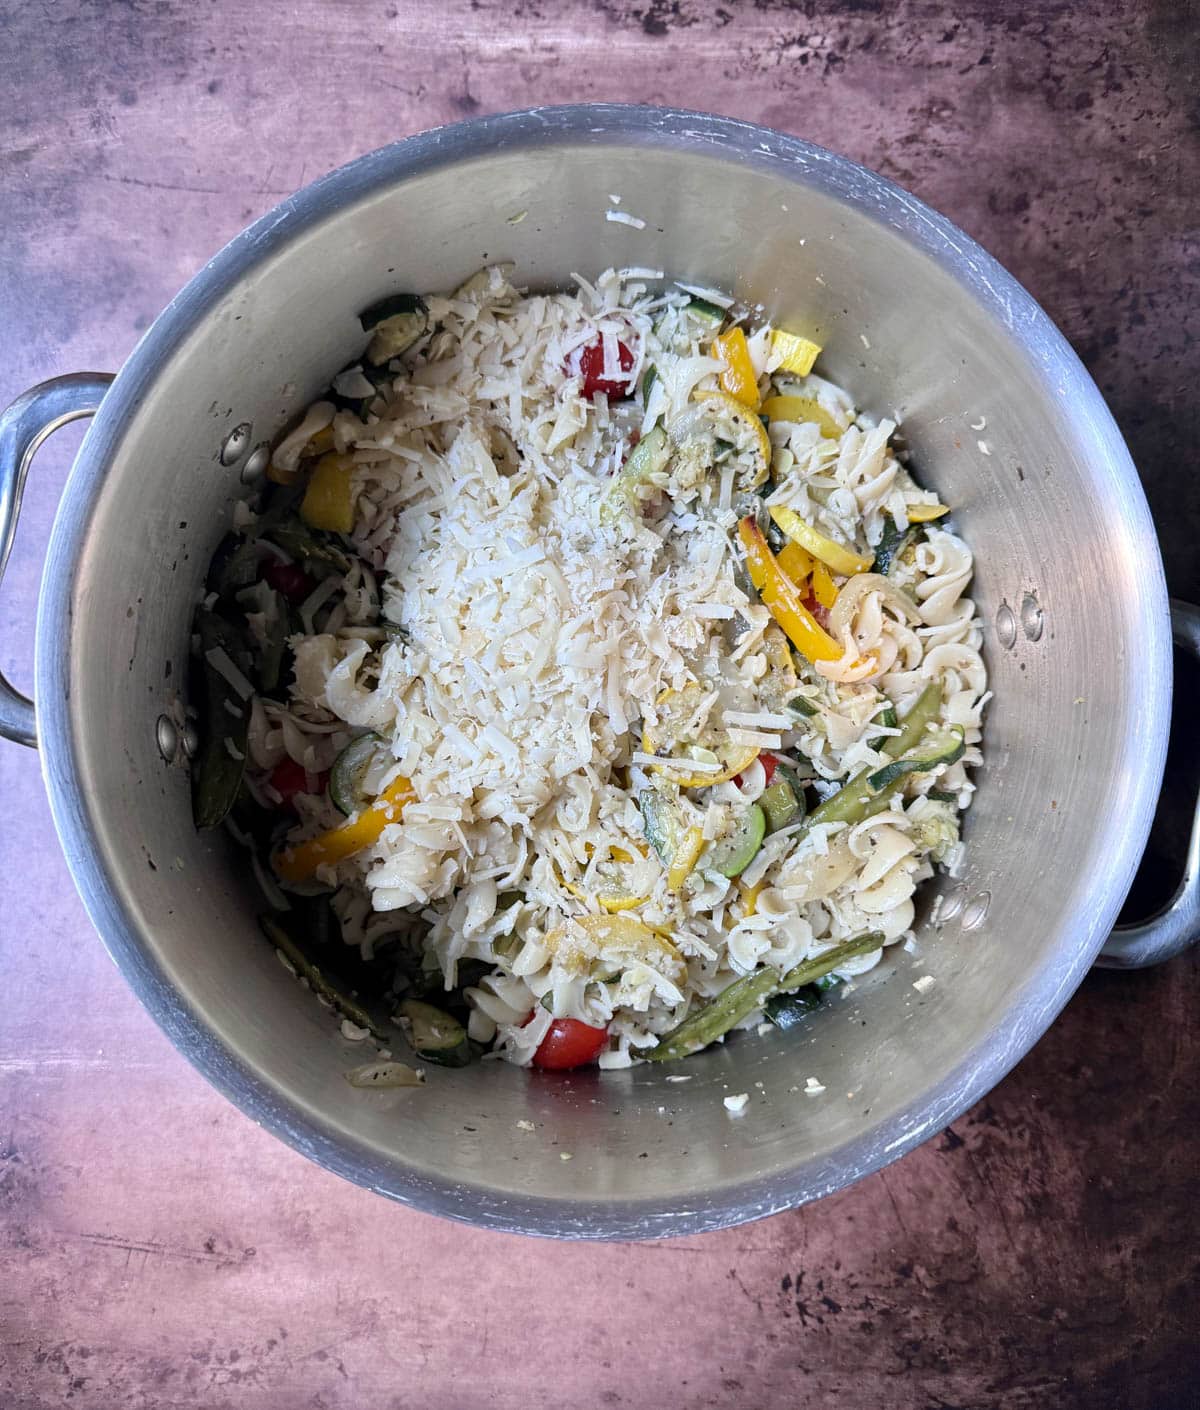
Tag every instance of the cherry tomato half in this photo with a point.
(569, 1043)
(289, 778)
(591, 370)
(289, 579)
(769, 762)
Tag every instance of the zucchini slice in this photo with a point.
(780, 804)
(704, 312)
(733, 853)
(791, 1010)
(349, 769)
(893, 544)
(660, 818)
(434, 1035)
(395, 323)
(647, 459)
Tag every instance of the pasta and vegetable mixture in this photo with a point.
(592, 679)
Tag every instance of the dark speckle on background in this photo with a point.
(159, 1249)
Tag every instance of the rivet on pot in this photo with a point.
(948, 905)
(1006, 626)
(167, 737)
(190, 740)
(975, 911)
(233, 447)
(1033, 619)
(256, 463)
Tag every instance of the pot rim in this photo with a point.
(1034, 1005)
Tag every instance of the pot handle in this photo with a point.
(1177, 925)
(26, 424)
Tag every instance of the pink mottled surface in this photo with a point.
(161, 1251)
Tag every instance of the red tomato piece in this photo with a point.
(569, 1043)
(289, 579)
(591, 370)
(289, 778)
(769, 762)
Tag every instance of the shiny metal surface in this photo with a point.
(1177, 925)
(24, 428)
(918, 320)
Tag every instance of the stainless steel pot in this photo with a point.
(917, 319)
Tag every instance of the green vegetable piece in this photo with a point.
(827, 982)
(889, 719)
(646, 459)
(733, 853)
(225, 720)
(349, 769)
(660, 818)
(739, 1000)
(936, 829)
(649, 377)
(893, 543)
(434, 1035)
(945, 748)
(396, 322)
(940, 795)
(317, 556)
(924, 709)
(317, 982)
(780, 804)
(857, 800)
(790, 1010)
(803, 706)
(270, 661)
(707, 313)
(234, 566)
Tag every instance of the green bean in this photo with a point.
(912, 727)
(738, 1000)
(305, 969)
(946, 748)
(856, 799)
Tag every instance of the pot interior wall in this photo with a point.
(1046, 512)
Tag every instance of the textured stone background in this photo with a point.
(161, 1251)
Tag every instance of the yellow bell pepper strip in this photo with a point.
(685, 858)
(802, 409)
(824, 588)
(925, 513)
(612, 892)
(835, 555)
(738, 378)
(796, 562)
(300, 862)
(781, 598)
(750, 896)
(328, 502)
(796, 354)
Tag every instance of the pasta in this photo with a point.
(669, 695)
